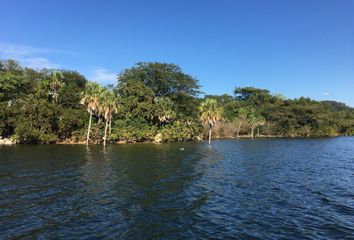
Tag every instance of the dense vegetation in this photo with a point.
(152, 101)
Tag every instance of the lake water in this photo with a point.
(235, 189)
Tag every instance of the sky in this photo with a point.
(295, 47)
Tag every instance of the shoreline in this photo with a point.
(9, 142)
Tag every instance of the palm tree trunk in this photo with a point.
(98, 130)
(238, 130)
(88, 130)
(105, 134)
(252, 132)
(110, 126)
(209, 135)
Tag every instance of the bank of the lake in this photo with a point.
(9, 141)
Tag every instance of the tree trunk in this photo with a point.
(252, 132)
(105, 134)
(110, 126)
(238, 130)
(88, 130)
(209, 135)
(258, 132)
(98, 131)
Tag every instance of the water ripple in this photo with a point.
(261, 189)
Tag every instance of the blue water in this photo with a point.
(235, 189)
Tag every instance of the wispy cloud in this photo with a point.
(29, 56)
(327, 93)
(39, 63)
(103, 76)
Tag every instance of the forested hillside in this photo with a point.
(151, 102)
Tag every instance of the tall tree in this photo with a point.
(166, 80)
(136, 100)
(108, 101)
(242, 114)
(91, 101)
(255, 120)
(55, 84)
(253, 96)
(261, 121)
(210, 114)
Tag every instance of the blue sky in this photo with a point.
(295, 47)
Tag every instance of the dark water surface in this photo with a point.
(261, 189)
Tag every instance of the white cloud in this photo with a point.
(327, 93)
(31, 56)
(104, 76)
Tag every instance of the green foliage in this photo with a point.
(39, 106)
(8, 115)
(70, 121)
(151, 98)
(253, 95)
(37, 121)
(285, 117)
(137, 100)
(165, 80)
(26, 133)
(181, 131)
(13, 81)
(210, 112)
(70, 92)
(133, 130)
(164, 110)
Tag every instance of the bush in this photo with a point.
(133, 130)
(181, 131)
(25, 133)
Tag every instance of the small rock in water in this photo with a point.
(181, 149)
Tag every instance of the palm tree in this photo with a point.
(210, 113)
(91, 101)
(255, 120)
(109, 106)
(113, 110)
(261, 121)
(55, 85)
(242, 114)
(164, 110)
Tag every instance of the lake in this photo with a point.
(235, 189)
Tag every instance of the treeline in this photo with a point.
(256, 112)
(151, 102)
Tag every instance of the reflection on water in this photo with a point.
(260, 189)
